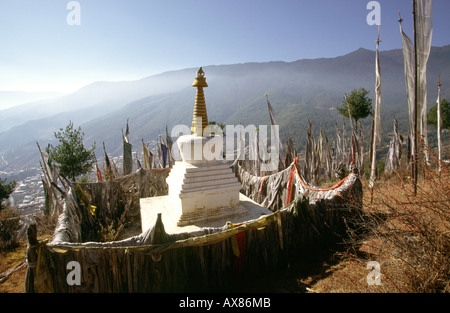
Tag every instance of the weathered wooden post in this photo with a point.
(31, 258)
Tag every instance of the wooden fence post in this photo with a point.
(31, 258)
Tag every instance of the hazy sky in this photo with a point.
(127, 40)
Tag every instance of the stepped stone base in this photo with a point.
(246, 210)
(202, 191)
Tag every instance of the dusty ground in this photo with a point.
(340, 269)
(9, 260)
(321, 272)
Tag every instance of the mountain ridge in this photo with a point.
(299, 91)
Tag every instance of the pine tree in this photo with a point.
(71, 156)
(360, 105)
(6, 189)
(445, 115)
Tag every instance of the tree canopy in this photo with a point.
(71, 155)
(6, 189)
(360, 104)
(445, 115)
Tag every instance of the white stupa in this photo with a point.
(203, 190)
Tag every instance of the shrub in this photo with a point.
(409, 233)
(9, 225)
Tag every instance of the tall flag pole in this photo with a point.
(309, 155)
(376, 133)
(408, 59)
(273, 122)
(424, 31)
(164, 151)
(99, 174)
(148, 157)
(108, 163)
(272, 116)
(127, 153)
(416, 99)
(439, 125)
(354, 145)
(169, 148)
(361, 147)
(415, 60)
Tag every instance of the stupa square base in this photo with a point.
(202, 185)
(175, 222)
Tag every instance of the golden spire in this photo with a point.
(200, 105)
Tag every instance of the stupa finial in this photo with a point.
(200, 118)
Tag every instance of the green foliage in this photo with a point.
(445, 115)
(112, 230)
(9, 224)
(6, 190)
(71, 155)
(221, 125)
(360, 104)
(84, 179)
(220, 128)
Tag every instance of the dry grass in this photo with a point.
(15, 283)
(13, 257)
(408, 234)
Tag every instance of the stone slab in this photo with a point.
(150, 207)
(200, 190)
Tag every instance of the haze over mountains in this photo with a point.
(299, 91)
(13, 98)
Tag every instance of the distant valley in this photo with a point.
(300, 91)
